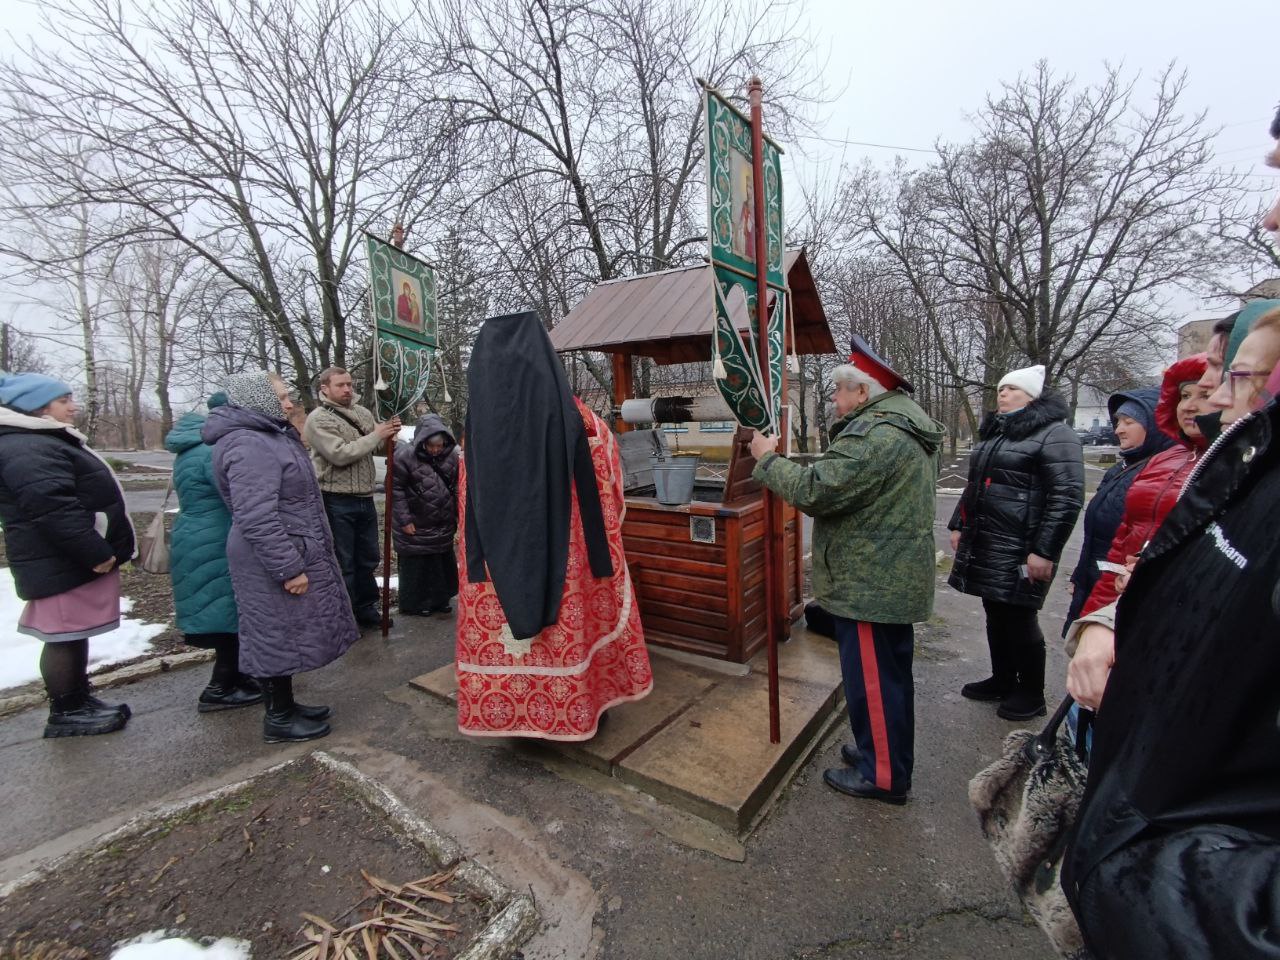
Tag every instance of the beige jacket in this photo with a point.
(342, 454)
(1103, 615)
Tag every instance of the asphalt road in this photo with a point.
(823, 877)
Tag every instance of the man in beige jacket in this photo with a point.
(343, 437)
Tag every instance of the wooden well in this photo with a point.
(698, 568)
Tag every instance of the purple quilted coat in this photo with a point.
(278, 530)
(425, 492)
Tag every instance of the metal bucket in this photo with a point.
(673, 479)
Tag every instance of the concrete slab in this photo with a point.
(700, 741)
(807, 657)
(715, 760)
(441, 682)
(675, 689)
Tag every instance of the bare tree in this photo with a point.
(262, 137)
(19, 352)
(592, 118)
(1061, 229)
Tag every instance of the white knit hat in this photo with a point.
(1030, 380)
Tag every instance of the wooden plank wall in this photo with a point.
(682, 586)
(706, 598)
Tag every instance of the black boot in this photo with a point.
(91, 700)
(72, 715)
(1004, 671)
(217, 696)
(1027, 699)
(228, 688)
(283, 723)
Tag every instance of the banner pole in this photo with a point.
(756, 95)
(397, 241)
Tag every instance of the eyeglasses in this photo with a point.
(1234, 376)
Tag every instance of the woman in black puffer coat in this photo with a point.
(66, 532)
(1025, 491)
(425, 513)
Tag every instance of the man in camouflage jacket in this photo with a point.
(871, 496)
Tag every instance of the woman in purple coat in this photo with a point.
(294, 612)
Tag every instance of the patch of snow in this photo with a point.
(20, 654)
(158, 945)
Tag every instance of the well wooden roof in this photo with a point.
(668, 315)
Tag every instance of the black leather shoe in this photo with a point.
(74, 716)
(988, 690)
(292, 727)
(850, 754)
(371, 617)
(318, 712)
(851, 783)
(216, 697)
(1022, 706)
(95, 703)
(284, 722)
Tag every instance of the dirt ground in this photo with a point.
(247, 866)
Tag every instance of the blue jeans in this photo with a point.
(354, 522)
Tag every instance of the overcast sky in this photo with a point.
(906, 72)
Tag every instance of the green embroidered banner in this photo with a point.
(730, 192)
(735, 299)
(731, 229)
(402, 294)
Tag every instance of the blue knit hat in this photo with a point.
(29, 392)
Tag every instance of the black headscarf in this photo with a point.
(524, 443)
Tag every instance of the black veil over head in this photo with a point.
(524, 444)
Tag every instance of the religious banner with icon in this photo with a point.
(731, 196)
(731, 229)
(402, 294)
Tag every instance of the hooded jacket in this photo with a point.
(871, 496)
(1155, 490)
(61, 507)
(278, 530)
(425, 492)
(1176, 847)
(202, 596)
(1106, 509)
(1025, 491)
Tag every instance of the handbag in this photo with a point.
(1027, 802)
(153, 546)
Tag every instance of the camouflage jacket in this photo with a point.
(871, 496)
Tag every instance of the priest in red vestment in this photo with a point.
(548, 627)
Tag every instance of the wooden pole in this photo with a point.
(623, 387)
(756, 95)
(386, 540)
(397, 241)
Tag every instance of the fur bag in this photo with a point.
(1026, 803)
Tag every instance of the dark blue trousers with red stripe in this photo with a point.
(875, 661)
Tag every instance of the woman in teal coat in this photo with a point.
(202, 597)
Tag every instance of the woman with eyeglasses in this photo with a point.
(1249, 370)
